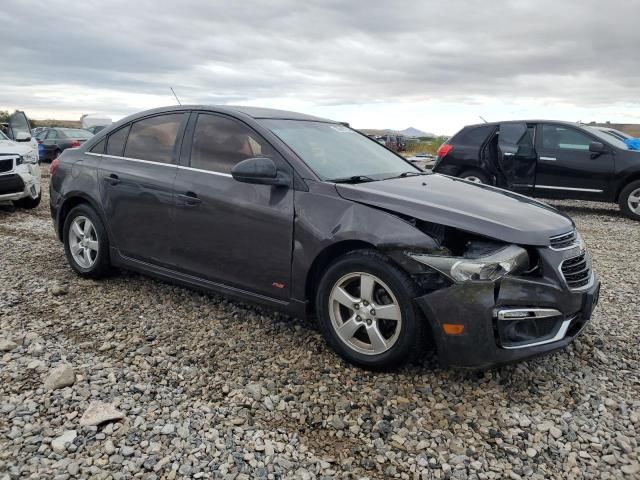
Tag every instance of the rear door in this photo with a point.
(517, 157)
(229, 232)
(136, 178)
(566, 167)
(50, 144)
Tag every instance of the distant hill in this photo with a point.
(414, 132)
(407, 132)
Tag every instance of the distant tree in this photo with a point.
(4, 116)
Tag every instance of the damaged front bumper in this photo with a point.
(511, 319)
(22, 181)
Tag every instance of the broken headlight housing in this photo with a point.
(509, 259)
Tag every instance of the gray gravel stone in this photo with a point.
(100, 412)
(59, 444)
(60, 377)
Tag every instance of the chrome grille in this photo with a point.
(576, 271)
(563, 241)
(6, 165)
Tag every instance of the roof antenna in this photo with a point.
(174, 94)
(482, 118)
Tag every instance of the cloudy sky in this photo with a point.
(432, 65)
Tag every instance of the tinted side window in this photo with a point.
(115, 142)
(154, 138)
(474, 135)
(564, 138)
(52, 135)
(219, 143)
(98, 147)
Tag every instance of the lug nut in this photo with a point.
(369, 321)
(373, 312)
(365, 303)
(358, 318)
(356, 306)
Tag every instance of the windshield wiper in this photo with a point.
(406, 174)
(352, 179)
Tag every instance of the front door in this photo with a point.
(566, 167)
(136, 176)
(229, 232)
(516, 157)
(19, 123)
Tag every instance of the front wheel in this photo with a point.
(366, 312)
(474, 176)
(630, 200)
(86, 243)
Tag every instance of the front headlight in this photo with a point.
(511, 259)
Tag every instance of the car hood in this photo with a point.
(480, 209)
(11, 147)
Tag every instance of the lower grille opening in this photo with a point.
(11, 184)
(521, 332)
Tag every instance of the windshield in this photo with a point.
(607, 137)
(335, 152)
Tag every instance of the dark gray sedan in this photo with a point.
(310, 217)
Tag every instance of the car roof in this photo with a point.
(557, 122)
(253, 112)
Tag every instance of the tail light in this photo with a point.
(444, 149)
(53, 168)
(74, 144)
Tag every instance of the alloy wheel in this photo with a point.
(365, 313)
(634, 201)
(83, 242)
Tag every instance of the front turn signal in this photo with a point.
(453, 328)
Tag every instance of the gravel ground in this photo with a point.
(197, 386)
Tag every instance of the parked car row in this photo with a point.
(311, 217)
(547, 159)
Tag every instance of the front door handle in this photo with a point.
(190, 198)
(548, 159)
(112, 179)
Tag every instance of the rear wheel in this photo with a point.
(630, 200)
(366, 312)
(86, 244)
(474, 176)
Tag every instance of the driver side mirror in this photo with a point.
(22, 136)
(597, 147)
(260, 171)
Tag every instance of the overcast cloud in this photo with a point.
(435, 65)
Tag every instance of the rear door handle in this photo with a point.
(548, 159)
(190, 198)
(112, 179)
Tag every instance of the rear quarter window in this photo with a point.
(473, 135)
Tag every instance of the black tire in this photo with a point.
(624, 200)
(410, 341)
(28, 202)
(475, 176)
(102, 264)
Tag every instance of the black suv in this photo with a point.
(549, 159)
(309, 216)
